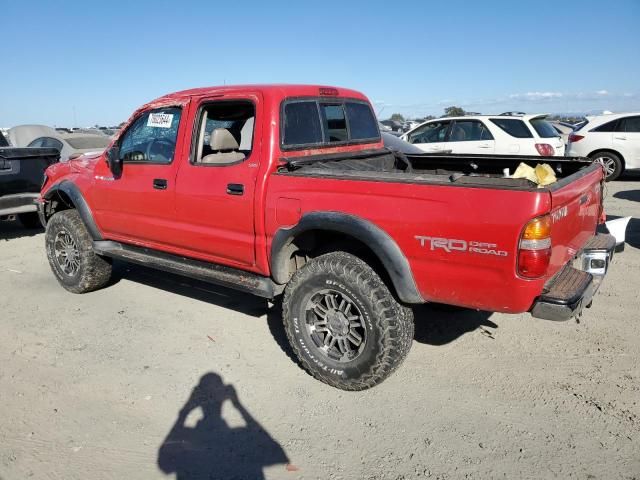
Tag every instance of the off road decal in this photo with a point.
(450, 245)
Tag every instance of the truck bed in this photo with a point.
(468, 170)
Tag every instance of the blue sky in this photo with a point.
(80, 63)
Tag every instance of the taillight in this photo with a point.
(534, 250)
(545, 149)
(573, 138)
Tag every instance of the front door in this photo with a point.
(139, 205)
(431, 136)
(215, 188)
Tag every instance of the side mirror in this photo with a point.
(114, 161)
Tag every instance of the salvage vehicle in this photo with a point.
(612, 140)
(70, 145)
(287, 192)
(21, 175)
(510, 133)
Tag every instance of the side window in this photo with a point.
(430, 133)
(225, 133)
(37, 143)
(607, 127)
(469, 131)
(152, 137)
(514, 127)
(302, 124)
(48, 142)
(630, 125)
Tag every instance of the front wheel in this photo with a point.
(343, 323)
(71, 257)
(611, 162)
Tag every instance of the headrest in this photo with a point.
(221, 139)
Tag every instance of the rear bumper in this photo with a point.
(18, 203)
(572, 289)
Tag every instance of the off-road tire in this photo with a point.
(613, 160)
(389, 325)
(30, 220)
(93, 271)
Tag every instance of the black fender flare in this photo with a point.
(382, 245)
(73, 192)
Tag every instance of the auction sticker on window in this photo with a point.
(161, 120)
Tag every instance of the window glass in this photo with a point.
(151, 137)
(607, 127)
(335, 123)
(3, 141)
(302, 124)
(630, 124)
(37, 143)
(429, 133)
(543, 128)
(469, 131)
(515, 128)
(362, 122)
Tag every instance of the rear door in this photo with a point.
(216, 184)
(431, 136)
(470, 136)
(626, 139)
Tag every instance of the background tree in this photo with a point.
(453, 112)
(397, 117)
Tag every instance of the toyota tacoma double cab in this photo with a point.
(287, 192)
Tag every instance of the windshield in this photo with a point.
(543, 128)
(3, 141)
(83, 143)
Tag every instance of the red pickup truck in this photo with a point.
(289, 190)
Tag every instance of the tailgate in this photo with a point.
(22, 169)
(576, 203)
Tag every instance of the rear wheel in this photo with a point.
(30, 220)
(71, 257)
(344, 324)
(611, 162)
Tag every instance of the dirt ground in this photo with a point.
(112, 384)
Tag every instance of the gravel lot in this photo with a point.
(91, 386)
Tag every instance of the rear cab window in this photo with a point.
(318, 122)
(512, 126)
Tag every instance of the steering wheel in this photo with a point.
(167, 150)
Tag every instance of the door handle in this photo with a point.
(235, 189)
(620, 138)
(160, 183)
(484, 145)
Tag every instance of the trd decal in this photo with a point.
(456, 245)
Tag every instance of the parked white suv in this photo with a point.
(613, 140)
(506, 134)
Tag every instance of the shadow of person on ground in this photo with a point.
(211, 449)
(632, 234)
(12, 229)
